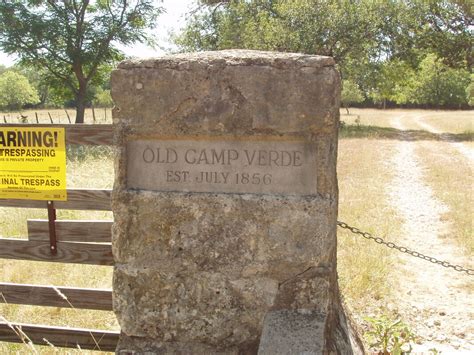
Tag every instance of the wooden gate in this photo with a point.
(79, 242)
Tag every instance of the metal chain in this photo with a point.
(404, 250)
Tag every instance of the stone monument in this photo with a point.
(225, 204)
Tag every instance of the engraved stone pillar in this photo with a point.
(225, 204)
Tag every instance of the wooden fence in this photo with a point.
(80, 242)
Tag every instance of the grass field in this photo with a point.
(366, 270)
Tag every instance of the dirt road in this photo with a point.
(435, 301)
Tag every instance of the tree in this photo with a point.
(350, 94)
(103, 98)
(446, 31)
(38, 79)
(436, 84)
(470, 91)
(392, 77)
(411, 29)
(16, 91)
(73, 39)
(334, 28)
(376, 44)
(340, 28)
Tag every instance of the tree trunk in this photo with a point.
(80, 110)
(81, 104)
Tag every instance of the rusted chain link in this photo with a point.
(404, 249)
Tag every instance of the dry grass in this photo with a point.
(92, 167)
(447, 121)
(102, 115)
(365, 267)
(450, 175)
(369, 117)
(450, 121)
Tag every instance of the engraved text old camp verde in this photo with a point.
(228, 166)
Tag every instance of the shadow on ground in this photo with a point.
(376, 132)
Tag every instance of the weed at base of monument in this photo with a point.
(388, 336)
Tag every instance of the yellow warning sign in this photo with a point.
(33, 163)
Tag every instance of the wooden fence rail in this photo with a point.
(82, 242)
(98, 231)
(90, 339)
(56, 296)
(77, 199)
(71, 253)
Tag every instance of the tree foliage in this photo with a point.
(16, 91)
(334, 28)
(470, 91)
(73, 40)
(350, 94)
(378, 45)
(391, 79)
(436, 84)
(39, 80)
(103, 98)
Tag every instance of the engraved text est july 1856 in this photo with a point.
(225, 166)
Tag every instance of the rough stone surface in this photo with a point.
(293, 332)
(196, 272)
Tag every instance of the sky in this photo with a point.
(172, 20)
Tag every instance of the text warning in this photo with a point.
(33, 163)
